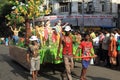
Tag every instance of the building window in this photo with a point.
(90, 8)
(119, 9)
(64, 7)
(102, 6)
(79, 7)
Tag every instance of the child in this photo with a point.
(87, 50)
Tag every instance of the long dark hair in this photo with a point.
(33, 42)
(67, 33)
(86, 37)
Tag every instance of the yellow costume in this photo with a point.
(40, 34)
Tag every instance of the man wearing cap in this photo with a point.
(67, 51)
(33, 57)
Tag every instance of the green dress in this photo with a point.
(118, 43)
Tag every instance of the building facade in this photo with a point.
(103, 13)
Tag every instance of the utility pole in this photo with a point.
(70, 6)
(82, 28)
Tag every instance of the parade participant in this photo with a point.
(36, 30)
(87, 50)
(48, 32)
(54, 36)
(46, 35)
(59, 28)
(33, 57)
(15, 34)
(40, 32)
(67, 51)
(48, 26)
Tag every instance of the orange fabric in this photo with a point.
(112, 48)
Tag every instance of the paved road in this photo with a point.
(10, 70)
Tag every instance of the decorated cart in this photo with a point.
(47, 55)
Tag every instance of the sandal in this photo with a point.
(84, 78)
(81, 79)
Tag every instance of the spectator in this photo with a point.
(101, 38)
(112, 52)
(96, 48)
(6, 41)
(116, 34)
(118, 49)
(105, 45)
(2, 40)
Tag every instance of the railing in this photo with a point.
(64, 8)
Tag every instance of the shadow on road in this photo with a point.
(17, 68)
(97, 78)
(47, 70)
(55, 69)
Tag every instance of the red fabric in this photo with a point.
(46, 33)
(67, 47)
(54, 37)
(102, 37)
(86, 49)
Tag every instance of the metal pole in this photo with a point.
(34, 21)
(82, 15)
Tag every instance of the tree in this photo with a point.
(5, 8)
(24, 12)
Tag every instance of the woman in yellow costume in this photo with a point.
(40, 33)
(59, 30)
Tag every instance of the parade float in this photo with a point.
(47, 54)
(24, 13)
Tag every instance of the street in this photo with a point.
(10, 70)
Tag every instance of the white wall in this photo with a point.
(114, 5)
(56, 8)
(114, 8)
(98, 7)
(118, 1)
(74, 7)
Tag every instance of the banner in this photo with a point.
(78, 20)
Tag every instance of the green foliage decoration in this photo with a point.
(22, 11)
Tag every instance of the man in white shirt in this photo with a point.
(105, 45)
(116, 34)
(96, 48)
